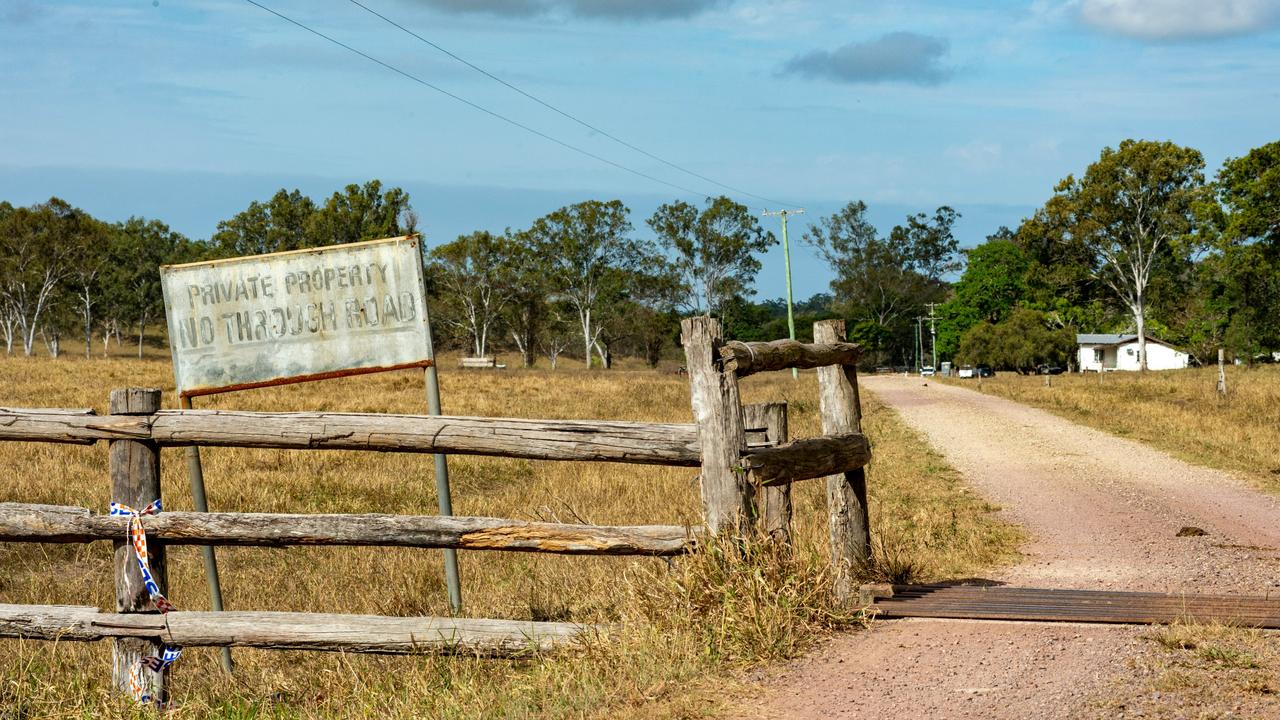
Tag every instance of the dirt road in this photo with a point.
(1102, 512)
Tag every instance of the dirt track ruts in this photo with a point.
(1101, 511)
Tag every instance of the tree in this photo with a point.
(277, 225)
(1249, 249)
(647, 320)
(85, 279)
(1249, 188)
(473, 275)
(528, 310)
(715, 250)
(135, 253)
(886, 280)
(361, 212)
(589, 256)
(1060, 277)
(1210, 312)
(292, 221)
(1023, 341)
(8, 314)
(556, 332)
(1136, 211)
(994, 281)
(38, 250)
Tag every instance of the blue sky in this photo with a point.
(186, 111)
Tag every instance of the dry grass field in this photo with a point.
(1178, 411)
(1197, 671)
(687, 627)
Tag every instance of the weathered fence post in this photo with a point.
(135, 481)
(772, 503)
(848, 520)
(727, 496)
(1222, 373)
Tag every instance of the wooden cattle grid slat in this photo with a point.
(1084, 606)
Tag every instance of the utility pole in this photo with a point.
(933, 335)
(919, 344)
(786, 258)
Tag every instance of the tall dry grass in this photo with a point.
(1178, 411)
(685, 625)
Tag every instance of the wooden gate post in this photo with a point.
(848, 520)
(772, 503)
(727, 497)
(135, 481)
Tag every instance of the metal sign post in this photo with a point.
(195, 473)
(300, 316)
(443, 496)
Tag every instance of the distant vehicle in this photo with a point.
(966, 371)
(1049, 370)
(984, 371)
(926, 371)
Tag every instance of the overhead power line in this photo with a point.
(475, 106)
(564, 113)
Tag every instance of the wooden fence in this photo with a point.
(746, 468)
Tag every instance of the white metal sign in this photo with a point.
(296, 316)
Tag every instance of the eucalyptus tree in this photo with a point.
(86, 277)
(528, 311)
(137, 249)
(266, 227)
(291, 221)
(39, 248)
(475, 279)
(590, 257)
(1137, 210)
(361, 212)
(882, 281)
(714, 250)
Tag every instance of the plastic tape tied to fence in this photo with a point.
(137, 537)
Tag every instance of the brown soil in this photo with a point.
(1102, 513)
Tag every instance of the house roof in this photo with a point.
(1113, 339)
(1101, 338)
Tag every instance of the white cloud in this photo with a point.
(977, 153)
(1180, 19)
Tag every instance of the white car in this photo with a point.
(926, 371)
(966, 371)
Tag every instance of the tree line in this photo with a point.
(577, 278)
(64, 272)
(1141, 242)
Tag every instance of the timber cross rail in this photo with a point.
(744, 485)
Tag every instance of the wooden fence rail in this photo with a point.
(748, 358)
(594, 440)
(807, 458)
(292, 630)
(64, 524)
(746, 467)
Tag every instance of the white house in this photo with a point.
(1102, 352)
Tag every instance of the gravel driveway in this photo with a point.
(1102, 513)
